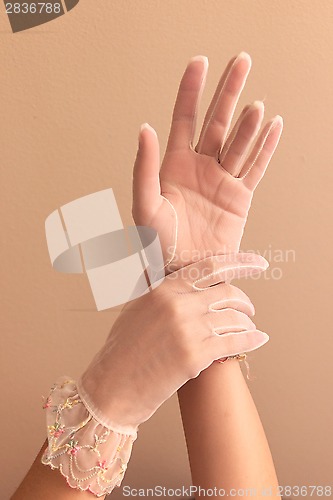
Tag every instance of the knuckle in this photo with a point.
(162, 299)
(174, 308)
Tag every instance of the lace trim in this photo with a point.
(91, 456)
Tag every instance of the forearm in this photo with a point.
(226, 442)
(43, 483)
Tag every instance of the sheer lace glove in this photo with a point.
(198, 201)
(157, 344)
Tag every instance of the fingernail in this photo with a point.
(203, 59)
(277, 120)
(146, 126)
(243, 55)
(258, 104)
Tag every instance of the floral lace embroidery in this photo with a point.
(89, 455)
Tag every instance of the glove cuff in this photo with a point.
(90, 455)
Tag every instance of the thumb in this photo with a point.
(146, 183)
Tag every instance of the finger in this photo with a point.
(223, 296)
(187, 102)
(230, 320)
(232, 343)
(233, 303)
(241, 138)
(214, 270)
(255, 166)
(231, 297)
(218, 122)
(217, 94)
(146, 184)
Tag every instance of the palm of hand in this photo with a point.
(199, 207)
(211, 206)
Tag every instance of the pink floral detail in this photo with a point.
(47, 403)
(74, 450)
(103, 465)
(72, 447)
(56, 430)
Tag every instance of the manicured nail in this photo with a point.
(243, 55)
(145, 126)
(258, 104)
(277, 120)
(203, 59)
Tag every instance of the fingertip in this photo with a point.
(244, 56)
(264, 263)
(258, 105)
(261, 338)
(277, 121)
(278, 118)
(202, 59)
(146, 126)
(147, 137)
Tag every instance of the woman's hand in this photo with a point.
(158, 342)
(211, 201)
(170, 335)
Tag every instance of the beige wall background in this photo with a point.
(73, 94)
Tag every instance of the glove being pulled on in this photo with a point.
(157, 344)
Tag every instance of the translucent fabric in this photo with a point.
(158, 342)
(89, 455)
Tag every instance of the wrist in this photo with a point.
(112, 409)
(88, 454)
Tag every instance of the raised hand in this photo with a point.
(199, 200)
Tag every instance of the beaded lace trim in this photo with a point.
(89, 455)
